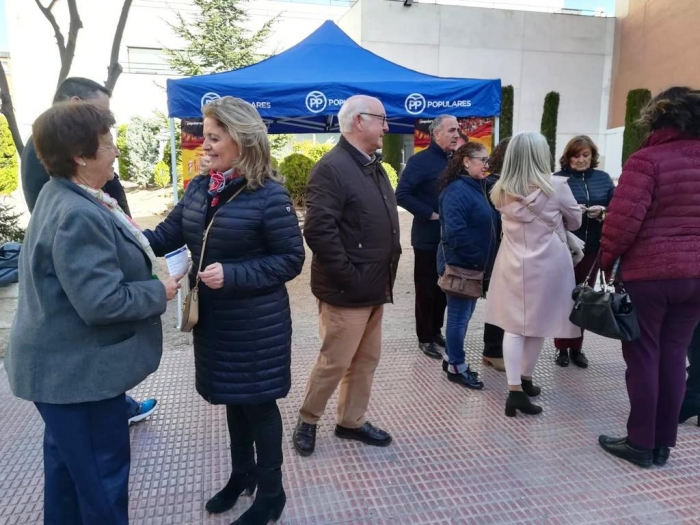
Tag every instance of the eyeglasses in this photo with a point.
(383, 117)
(485, 160)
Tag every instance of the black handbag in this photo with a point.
(608, 312)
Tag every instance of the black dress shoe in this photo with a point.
(578, 358)
(623, 449)
(467, 379)
(227, 497)
(520, 401)
(563, 358)
(661, 455)
(368, 434)
(445, 365)
(440, 341)
(530, 389)
(304, 438)
(431, 350)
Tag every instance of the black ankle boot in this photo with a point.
(265, 508)
(519, 401)
(689, 410)
(660, 456)
(227, 497)
(530, 389)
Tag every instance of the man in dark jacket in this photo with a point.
(352, 228)
(34, 176)
(417, 192)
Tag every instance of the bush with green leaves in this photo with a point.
(391, 173)
(295, 170)
(142, 148)
(9, 167)
(311, 150)
(161, 176)
(634, 134)
(9, 224)
(548, 127)
(392, 148)
(123, 147)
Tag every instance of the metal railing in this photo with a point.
(530, 5)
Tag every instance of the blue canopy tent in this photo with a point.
(301, 89)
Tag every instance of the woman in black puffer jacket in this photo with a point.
(242, 342)
(593, 190)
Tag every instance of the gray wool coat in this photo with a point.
(87, 326)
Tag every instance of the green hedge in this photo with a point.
(391, 173)
(548, 127)
(505, 128)
(295, 170)
(634, 135)
(311, 150)
(9, 167)
(392, 146)
(122, 146)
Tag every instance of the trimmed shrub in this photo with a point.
(311, 150)
(9, 167)
(391, 173)
(505, 128)
(548, 128)
(295, 170)
(634, 135)
(392, 146)
(161, 175)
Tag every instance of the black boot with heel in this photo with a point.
(269, 500)
(227, 497)
(530, 389)
(518, 400)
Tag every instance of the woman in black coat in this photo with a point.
(242, 342)
(593, 190)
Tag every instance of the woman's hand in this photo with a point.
(172, 285)
(213, 276)
(594, 211)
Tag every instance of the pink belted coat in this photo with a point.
(533, 277)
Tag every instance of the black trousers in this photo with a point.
(430, 299)
(493, 341)
(257, 428)
(86, 463)
(692, 387)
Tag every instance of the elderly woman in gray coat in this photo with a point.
(88, 320)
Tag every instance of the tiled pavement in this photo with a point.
(456, 459)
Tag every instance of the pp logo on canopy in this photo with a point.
(415, 103)
(208, 97)
(316, 102)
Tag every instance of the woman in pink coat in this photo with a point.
(533, 277)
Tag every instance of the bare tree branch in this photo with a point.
(75, 25)
(60, 41)
(115, 68)
(9, 111)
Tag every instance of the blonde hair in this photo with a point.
(247, 129)
(527, 165)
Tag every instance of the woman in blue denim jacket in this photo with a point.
(468, 225)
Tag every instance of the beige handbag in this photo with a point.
(190, 307)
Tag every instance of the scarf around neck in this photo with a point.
(218, 182)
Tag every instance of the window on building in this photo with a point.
(147, 61)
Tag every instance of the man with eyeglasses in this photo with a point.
(417, 192)
(352, 228)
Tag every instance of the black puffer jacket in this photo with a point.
(592, 188)
(242, 343)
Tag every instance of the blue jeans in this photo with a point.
(459, 312)
(132, 407)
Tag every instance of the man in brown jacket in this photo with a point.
(352, 228)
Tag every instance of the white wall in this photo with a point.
(534, 52)
(612, 163)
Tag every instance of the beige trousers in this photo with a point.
(352, 342)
